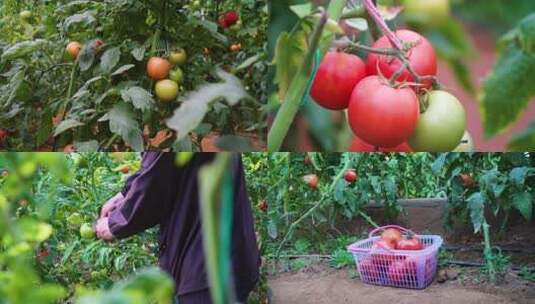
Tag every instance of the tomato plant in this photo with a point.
(106, 99)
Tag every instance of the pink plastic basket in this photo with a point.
(414, 269)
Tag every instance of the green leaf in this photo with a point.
(196, 104)
(302, 10)
(518, 175)
(122, 122)
(123, 69)
(139, 97)
(523, 203)
(24, 48)
(476, 204)
(524, 141)
(110, 59)
(67, 125)
(507, 90)
(289, 56)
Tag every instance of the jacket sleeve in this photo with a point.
(147, 197)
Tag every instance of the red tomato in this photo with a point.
(231, 17)
(402, 271)
(422, 58)
(263, 206)
(409, 242)
(74, 48)
(392, 236)
(468, 180)
(368, 271)
(69, 149)
(381, 256)
(335, 80)
(350, 176)
(381, 115)
(158, 68)
(358, 145)
(311, 180)
(3, 134)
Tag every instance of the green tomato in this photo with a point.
(428, 12)
(467, 144)
(87, 232)
(166, 90)
(177, 75)
(60, 246)
(75, 220)
(441, 127)
(178, 57)
(25, 15)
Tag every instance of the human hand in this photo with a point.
(112, 204)
(102, 229)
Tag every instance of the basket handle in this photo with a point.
(374, 231)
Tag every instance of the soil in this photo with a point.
(318, 283)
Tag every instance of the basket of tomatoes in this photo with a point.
(397, 257)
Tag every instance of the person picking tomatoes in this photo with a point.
(161, 193)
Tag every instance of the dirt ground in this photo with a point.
(319, 283)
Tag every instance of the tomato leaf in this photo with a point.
(524, 141)
(196, 104)
(523, 203)
(518, 175)
(110, 59)
(476, 204)
(24, 48)
(123, 123)
(289, 55)
(139, 97)
(67, 125)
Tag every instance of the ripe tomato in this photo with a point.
(3, 134)
(392, 236)
(409, 242)
(441, 127)
(263, 206)
(178, 57)
(381, 255)
(350, 176)
(69, 149)
(166, 90)
(368, 271)
(158, 68)
(422, 58)
(177, 75)
(402, 271)
(222, 23)
(311, 180)
(335, 80)
(24, 203)
(86, 231)
(381, 115)
(74, 48)
(235, 47)
(466, 145)
(429, 12)
(468, 180)
(358, 145)
(231, 17)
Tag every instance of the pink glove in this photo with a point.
(113, 203)
(102, 228)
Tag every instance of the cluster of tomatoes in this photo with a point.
(386, 115)
(167, 74)
(382, 265)
(312, 180)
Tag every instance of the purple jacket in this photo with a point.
(161, 193)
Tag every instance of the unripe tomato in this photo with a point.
(25, 15)
(158, 68)
(358, 145)
(422, 58)
(350, 176)
(466, 145)
(428, 12)
(73, 49)
(381, 115)
(166, 90)
(441, 127)
(177, 75)
(3, 134)
(178, 57)
(311, 180)
(335, 80)
(75, 219)
(87, 232)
